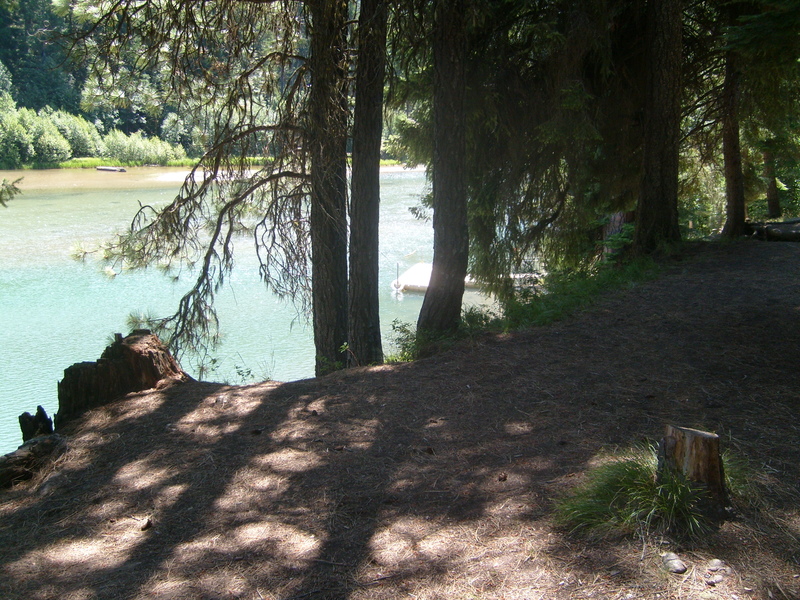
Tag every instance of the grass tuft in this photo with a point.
(622, 495)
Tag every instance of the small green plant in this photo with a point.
(404, 336)
(624, 495)
(325, 366)
(617, 242)
(8, 190)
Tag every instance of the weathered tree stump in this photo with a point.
(33, 425)
(696, 456)
(137, 362)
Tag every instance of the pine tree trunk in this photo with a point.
(657, 211)
(364, 318)
(735, 210)
(328, 140)
(441, 308)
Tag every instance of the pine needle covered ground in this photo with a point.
(438, 479)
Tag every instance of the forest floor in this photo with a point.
(437, 479)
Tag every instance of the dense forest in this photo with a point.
(554, 129)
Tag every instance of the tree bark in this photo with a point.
(696, 456)
(131, 364)
(735, 210)
(328, 142)
(364, 318)
(441, 308)
(657, 211)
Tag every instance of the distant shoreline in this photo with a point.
(179, 175)
(85, 179)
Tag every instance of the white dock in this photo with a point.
(417, 278)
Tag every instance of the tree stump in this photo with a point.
(137, 362)
(33, 425)
(696, 456)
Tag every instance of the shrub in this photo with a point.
(16, 146)
(140, 150)
(83, 137)
(50, 147)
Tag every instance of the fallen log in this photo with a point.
(787, 231)
(28, 459)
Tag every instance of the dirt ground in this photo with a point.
(436, 479)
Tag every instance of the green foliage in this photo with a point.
(409, 345)
(136, 149)
(617, 242)
(555, 297)
(6, 84)
(52, 137)
(49, 146)
(16, 145)
(790, 204)
(29, 138)
(623, 495)
(32, 50)
(8, 190)
(83, 137)
(404, 340)
(562, 293)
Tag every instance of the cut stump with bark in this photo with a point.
(695, 455)
(131, 364)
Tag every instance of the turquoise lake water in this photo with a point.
(57, 311)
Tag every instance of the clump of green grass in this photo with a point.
(623, 495)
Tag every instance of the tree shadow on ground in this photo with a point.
(434, 479)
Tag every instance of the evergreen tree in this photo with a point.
(657, 211)
(327, 137)
(33, 50)
(364, 319)
(273, 77)
(441, 308)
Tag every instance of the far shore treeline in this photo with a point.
(55, 138)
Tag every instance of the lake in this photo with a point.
(58, 311)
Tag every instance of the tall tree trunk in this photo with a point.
(364, 318)
(735, 210)
(774, 210)
(328, 139)
(657, 212)
(441, 308)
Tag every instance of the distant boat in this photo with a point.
(114, 169)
